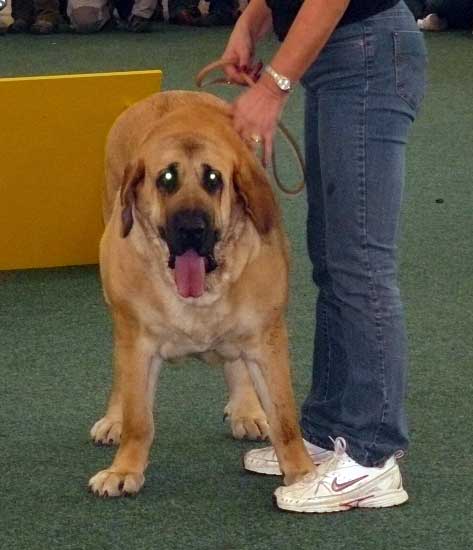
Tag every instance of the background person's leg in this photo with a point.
(183, 12)
(356, 131)
(221, 13)
(23, 15)
(417, 7)
(223, 6)
(123, 8)
(47, 16)
(141, 12)
(458, 13)
(88, 15)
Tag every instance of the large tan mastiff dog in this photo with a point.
(193, 261)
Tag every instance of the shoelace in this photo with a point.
(339, 450)
(339, 446)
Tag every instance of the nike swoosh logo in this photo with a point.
(337, 487)
(355, 503)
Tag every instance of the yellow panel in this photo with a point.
(52, 132)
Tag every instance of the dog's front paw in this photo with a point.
(247, 422)
(108, 483)
(106, 431)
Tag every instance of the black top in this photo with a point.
(285, 11)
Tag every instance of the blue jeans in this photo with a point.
(362, 95)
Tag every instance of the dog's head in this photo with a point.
(187, 184)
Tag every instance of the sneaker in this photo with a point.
(217, 19)
(342, 484)
(44, 26)
(186, 17)
(264, 460)
(432, 23)
(139, 24)
(19, 25)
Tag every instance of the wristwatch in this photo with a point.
(282, 82)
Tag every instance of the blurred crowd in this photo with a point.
(46, 16)
(85, 16)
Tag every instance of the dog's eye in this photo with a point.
(168, 178)
(212, 179)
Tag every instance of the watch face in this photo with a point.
(284, 84)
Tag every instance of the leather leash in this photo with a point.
(201, 83)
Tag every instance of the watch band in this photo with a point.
(282, 82)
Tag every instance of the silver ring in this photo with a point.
(255, 138)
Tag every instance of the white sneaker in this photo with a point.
(342, 484)
(432, 23)
(264, 460)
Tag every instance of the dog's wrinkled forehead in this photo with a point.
(199, 148)
(191, 146)
(162, 150)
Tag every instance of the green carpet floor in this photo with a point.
(55, 346)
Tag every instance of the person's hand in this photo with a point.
(256, 113)
(240, 53)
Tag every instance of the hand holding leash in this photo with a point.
(249, 80)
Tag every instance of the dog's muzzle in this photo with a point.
(191, 240)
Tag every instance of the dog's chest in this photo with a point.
(187, 330)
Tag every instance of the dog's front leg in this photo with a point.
(247, 418)
(268, 364)
(108, 430)
(137, 368)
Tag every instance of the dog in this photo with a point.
(193, 261)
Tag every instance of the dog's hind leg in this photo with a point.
(247, 418)
(267, 359)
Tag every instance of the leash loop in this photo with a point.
(201, 83)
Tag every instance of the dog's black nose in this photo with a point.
(190, 229)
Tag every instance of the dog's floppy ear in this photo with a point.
(133, 176)
(254, 190)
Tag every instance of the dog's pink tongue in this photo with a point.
(189, 273)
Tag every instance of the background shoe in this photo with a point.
(43, 26)
(217, 19)
(158, 14)
(264, 460)
(185, 17)
(432, 23)
(19, 25)
(342, 484)
(139, 24)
